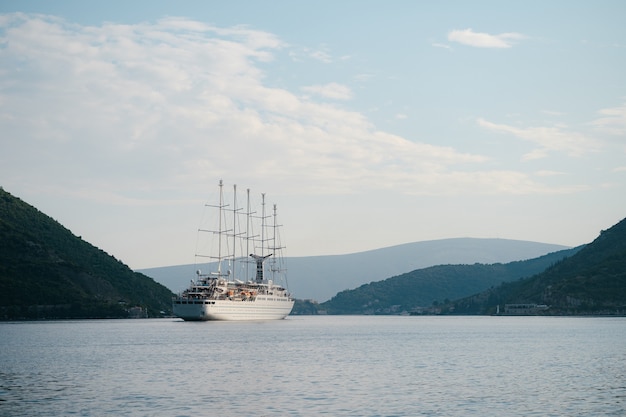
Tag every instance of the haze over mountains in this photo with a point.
(321, 277)
(46, 272)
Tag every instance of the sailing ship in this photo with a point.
(249, 279)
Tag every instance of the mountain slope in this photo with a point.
(47, 272)
(321, 277)
(421, 288)
(591, 282)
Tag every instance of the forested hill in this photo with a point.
(419, 290)
(47, 272)
(591, 282)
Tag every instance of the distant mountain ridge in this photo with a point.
(593, 281)
(423, 289)
(587, 280)
(321, 277)
(48, 272)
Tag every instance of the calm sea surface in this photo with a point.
(310, 366)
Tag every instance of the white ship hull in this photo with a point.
(263, 308)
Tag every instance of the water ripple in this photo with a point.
(312, 366)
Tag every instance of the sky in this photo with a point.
(369, 123)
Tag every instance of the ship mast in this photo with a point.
(234, 228)
(247, 231)
(235, 232)
(274, 248)
(219, 229)
(276, 264)
(221, 232)
(262, 223)
(259, 259)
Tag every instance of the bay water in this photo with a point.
(316, 365)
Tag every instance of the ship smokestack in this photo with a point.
(259, 266)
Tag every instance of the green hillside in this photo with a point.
(47, 272)
(422, 288)
(591, 282)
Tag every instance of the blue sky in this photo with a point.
(369, 123)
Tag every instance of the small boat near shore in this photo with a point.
(248, 280)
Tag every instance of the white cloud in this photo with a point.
(159, 109)
(321, 53)
(305, 54)
(331, 90)
(613, 120)
(548, 173)
(441, 45)
(549, 139)
(484, 40)
(322, 56)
